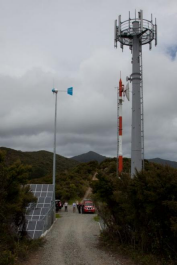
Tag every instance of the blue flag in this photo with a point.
(70, 91)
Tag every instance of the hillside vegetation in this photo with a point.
(139, 213)
(41, 161)
(71, 184)
(14, 197)
(164, 162)
(72, 178)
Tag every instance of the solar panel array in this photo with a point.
(40, 215)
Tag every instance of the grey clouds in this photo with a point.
(70, 43)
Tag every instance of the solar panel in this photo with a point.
(45, 188)
(41, 199)
(35, 228)
(41, 187)
(40, 215)
(37, 194)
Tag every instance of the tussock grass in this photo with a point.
(96, 218)
(58, 215)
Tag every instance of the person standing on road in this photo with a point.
(79, 207)
(74, 207)
(66, 206)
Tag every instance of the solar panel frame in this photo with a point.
(40, 215)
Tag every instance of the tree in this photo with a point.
(15, 197)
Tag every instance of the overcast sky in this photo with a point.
(58, 43)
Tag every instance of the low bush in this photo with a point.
(15, 197)
(140, 212)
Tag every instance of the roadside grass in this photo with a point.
(26, 247)
(21, 252)
(96, 218)
(57, 215)
(133, 256)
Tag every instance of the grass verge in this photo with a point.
(57, 215)
(25, 248)
(96, 218)
(128, 253)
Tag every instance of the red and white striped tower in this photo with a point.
(120, 159)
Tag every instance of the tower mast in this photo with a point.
(135, 33)
(120, 159)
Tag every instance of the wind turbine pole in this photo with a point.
(55, 91)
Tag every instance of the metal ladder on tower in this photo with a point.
(142, 108)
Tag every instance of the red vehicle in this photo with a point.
(88, 206)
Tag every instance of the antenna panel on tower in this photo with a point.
(127, 92)
(155, 33)
(150, 46)
(119, 29)
(115, 34)
(141, 17)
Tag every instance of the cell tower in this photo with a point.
(135, 33)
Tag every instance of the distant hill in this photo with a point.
(163, 162)
(41, 161)
(90, 156)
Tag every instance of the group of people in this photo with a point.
(76, 205)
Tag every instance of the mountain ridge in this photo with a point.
(42, 157)
(163, 162)
(89, 156)
(41, 161)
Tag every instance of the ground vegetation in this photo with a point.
(139, 212)
(15, 196)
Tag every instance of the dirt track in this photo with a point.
(73, 240)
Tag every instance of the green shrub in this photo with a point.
(15, 197)
(7, 258)
(140, 212)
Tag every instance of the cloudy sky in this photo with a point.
(48, 43)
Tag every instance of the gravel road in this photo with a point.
(73, 240)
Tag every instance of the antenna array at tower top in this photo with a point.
(125, 31)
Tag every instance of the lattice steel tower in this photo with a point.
(135, 33)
